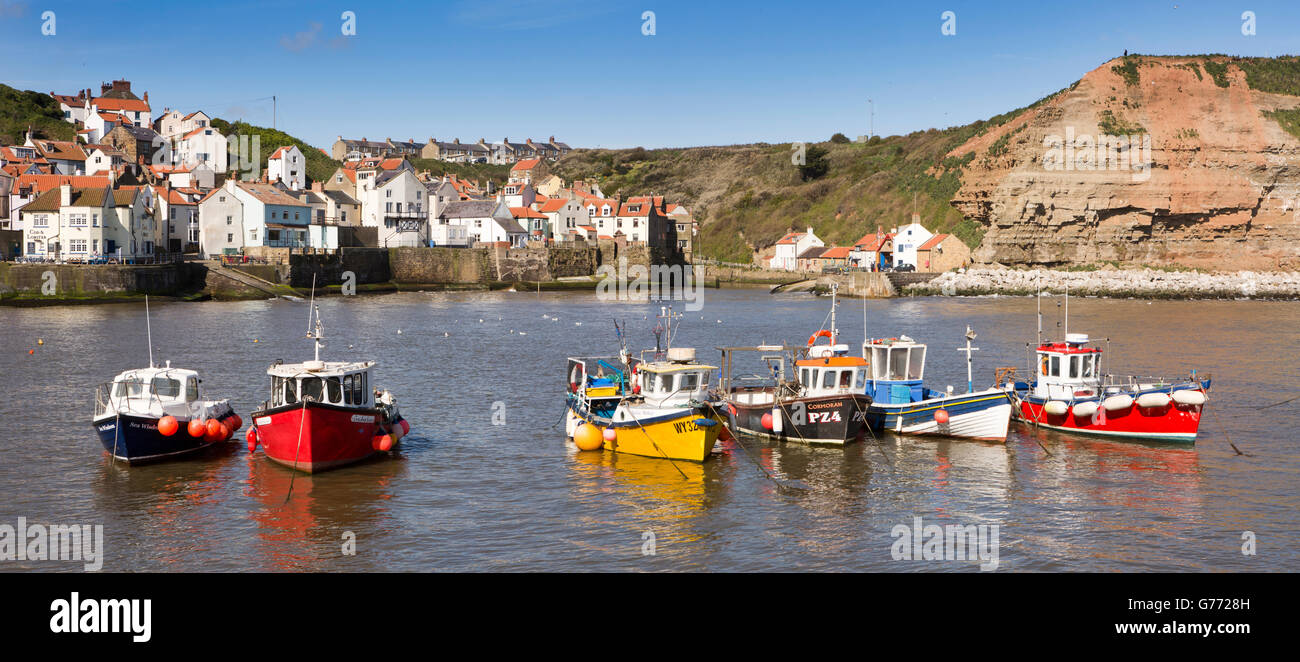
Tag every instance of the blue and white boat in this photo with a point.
(901, 403)
(144, 415)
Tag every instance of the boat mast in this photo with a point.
(834, 290)
(148, 329)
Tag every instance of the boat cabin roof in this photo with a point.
(1075, 343)
(668, 366)
(318, 368)
(832, 361)
(148, 374)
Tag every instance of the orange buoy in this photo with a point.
(215, 430)
(196, 427)
(941, 416)
(382, 442)
(252, 439)
(167, 426)
(588, 437)
(610, 434)
(31, 351)
(767, 421)
(235, 422)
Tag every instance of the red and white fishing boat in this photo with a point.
(323, 415)
(1071, 394)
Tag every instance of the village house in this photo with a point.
(486, 221)
(873, 252)
(242, 215)
(287, 165)
(528, 170)
(943, 252)
(172, 123)
(907, 239)
(351, 150)
(331, 207)
(82, 224)
(64, 157)
(394, 201)
(809, 260)
(641, 221)
(519, 194)
(26, 188)
(790, 248)
(177, 213)
(442, 231)
(563, 216)
(141, 145)
(201, 146)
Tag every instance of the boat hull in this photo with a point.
(136, 439)
(983, 416)
(317, 437)
(830, 420)
(680, 435)
(1172, 422)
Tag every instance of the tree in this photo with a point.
(840, 139)
(815, 164)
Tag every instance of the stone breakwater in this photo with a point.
(1137, 283)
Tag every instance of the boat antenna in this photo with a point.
(148, 329)
(970, 380)
(1039, 297)
(1067, 309)
(312, 307)
(834, 290)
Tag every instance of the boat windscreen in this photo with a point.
(166, 387)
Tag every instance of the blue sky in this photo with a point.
(713, 73)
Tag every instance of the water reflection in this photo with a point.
(302, 518)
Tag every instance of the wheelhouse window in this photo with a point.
(846, 378)
(312, 389)
(130, 387)
(191, 389)
(334, 389)
(1056, 366)
(690, 381)
(828, 378)
(165, 387)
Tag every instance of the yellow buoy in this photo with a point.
(40, 342)
(588, 437)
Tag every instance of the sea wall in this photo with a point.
(74, 282)
(1139, 283)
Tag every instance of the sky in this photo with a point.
(586, 72)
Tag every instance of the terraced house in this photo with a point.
(249, 215)
(88, 224)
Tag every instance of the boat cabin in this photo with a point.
(829, 370)
(341, 384)
(149, 392)
(674, 381)
(897, 368)
(1068, 369)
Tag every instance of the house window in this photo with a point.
(338, 179)
(94, 245)
(76, 220)
(77, 245)
(94, 220)
(230, 238)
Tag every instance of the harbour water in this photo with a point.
(467, 494)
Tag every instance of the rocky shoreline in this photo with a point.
(1109, 282)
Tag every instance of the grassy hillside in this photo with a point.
(22, 108)
(747, 196)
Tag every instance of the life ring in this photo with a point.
(824, 333)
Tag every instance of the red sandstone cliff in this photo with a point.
(1222, 191)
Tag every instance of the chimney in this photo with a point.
(552, 140)
(146, 97)
(317, 186)
(529, 142)
(457, 141)
(65, 195)
(810, 229)
(916, 218)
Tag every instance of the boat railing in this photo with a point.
(145, 402)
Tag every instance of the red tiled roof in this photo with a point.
(44, 183)
(133, 105)
(934, 241)
(871, 242)
(836, 253)
(554, 204)
(791, 238)
(526, 164)
(526, 212)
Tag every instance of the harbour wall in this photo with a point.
(34, 284)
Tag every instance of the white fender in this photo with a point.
(1056, 407)
(1153, 400)
(1118, 402)
(777, 420)
(1189, 397)
(1085, 409)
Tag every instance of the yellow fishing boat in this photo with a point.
(661, 408)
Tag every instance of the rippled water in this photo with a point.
(464, 494)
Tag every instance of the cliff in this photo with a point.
(1190, 161)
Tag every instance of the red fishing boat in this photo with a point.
(323, 415)
(1071, 394)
